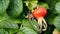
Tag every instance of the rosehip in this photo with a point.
(39, 13)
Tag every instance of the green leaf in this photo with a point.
(12, 31)
(57, 7)
(3, 6)
(3, 18)
(31, 4)
(4, 23)
(43, 5)
(15, 8)
(34, 25)
(12, 20)
(26, 23)
(57, 22)
(32, 0)
(9, 25)
(28, 30)
(20, 32)
(31, 24)
(2, 31)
